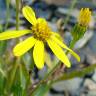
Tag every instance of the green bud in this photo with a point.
(78, 32)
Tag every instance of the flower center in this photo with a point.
(41, 30)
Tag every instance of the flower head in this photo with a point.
(41, 33)
(83, 20)
(84, 17)
(41, 30)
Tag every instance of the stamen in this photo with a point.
(41, 30)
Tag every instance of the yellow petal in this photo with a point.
(13, 34)
(58, 52)
(38, 54)
(24, 46)
(29, 14)
(64, 46)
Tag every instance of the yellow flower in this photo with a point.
(84, 17)
(80, 28)
(41, 33)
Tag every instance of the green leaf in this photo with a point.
(17, 87)
(3, 45)
(22, 80)
(2, 82)
(76, 73)
(26, 75)
(2, 78)
(11, 76)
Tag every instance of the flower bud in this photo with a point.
(84, 17)
(83, 20)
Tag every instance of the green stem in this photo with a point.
(17, 59)
(71, 46)
(8, 14)
(17, 14)
(72, 43)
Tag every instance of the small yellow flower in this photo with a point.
(84, 17)
(83, 20)
(41, 33)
